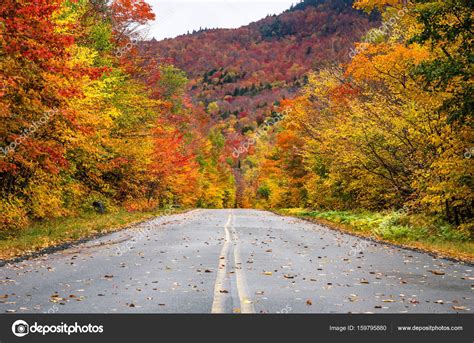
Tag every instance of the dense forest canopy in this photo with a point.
(330, 105)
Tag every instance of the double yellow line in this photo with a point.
(246, 304)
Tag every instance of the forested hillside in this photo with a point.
(240, 75)
(354, 110)
(86, 126)
(391, 129)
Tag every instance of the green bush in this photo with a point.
(447, 232)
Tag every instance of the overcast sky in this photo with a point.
(176, 17)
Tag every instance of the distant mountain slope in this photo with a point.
(245, 71)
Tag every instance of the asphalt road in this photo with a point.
(235, 261)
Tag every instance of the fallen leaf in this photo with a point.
(309, 302)
(459, 308)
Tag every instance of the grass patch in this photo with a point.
(45, 234)
(415, 231)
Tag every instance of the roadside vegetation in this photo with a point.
(426, 233)
(99, 130)
(390, 129)
(44, 234)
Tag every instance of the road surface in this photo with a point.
(235, 261)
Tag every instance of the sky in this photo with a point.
(176, 17)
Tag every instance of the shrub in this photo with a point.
(87, 205)
(140, 205)
(45, 199)
(14, 215)
(448, 233)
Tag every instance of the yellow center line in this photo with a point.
(219, 296)
(246, 303)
